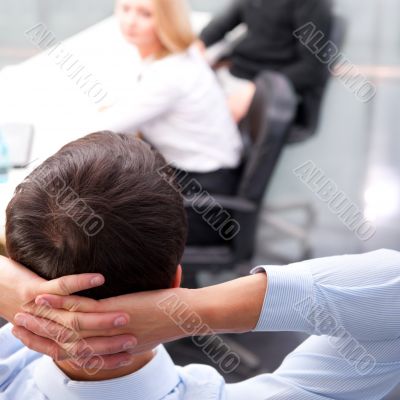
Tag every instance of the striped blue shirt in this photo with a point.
(349, 304)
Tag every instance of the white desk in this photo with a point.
(40, 93)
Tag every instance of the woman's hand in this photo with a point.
(239, 102)
(201, 47)
(155, 317)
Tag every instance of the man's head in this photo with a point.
(100, 205)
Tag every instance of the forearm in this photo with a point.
(234, 306)
(156, 317)
(222, 24)
(308, 71)
(324, 296)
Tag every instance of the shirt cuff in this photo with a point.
(288, 299)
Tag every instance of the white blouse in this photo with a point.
(180, 108)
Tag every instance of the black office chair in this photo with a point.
(276, 118)
(265, 131)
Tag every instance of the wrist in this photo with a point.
(15, 287)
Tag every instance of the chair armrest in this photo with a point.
(226, 202)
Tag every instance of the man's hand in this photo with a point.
(19, 287)
(155, 317)
(74, 322)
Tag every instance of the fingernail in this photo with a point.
(128, 345)
(97, 281)
(125, 363)
(20, 320)
(120, 321)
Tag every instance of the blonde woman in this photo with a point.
(177, 103)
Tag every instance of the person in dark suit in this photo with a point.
(270, 44)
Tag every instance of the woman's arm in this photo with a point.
(151, 98)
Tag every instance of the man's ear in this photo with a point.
(178, 278)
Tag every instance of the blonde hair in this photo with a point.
(173, 25)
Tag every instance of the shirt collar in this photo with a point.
(152, 382)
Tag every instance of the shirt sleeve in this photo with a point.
(324, 369)
(356, 295)
(153, 96)
(223, 23)
(308, 70)
(343, 369)
(14, 356)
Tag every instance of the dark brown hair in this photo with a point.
(100, 205)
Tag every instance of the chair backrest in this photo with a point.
(265, 131)
(309, 109)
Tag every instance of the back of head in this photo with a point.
(100, 205)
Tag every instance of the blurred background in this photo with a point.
(360, 138)
(357, 144)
